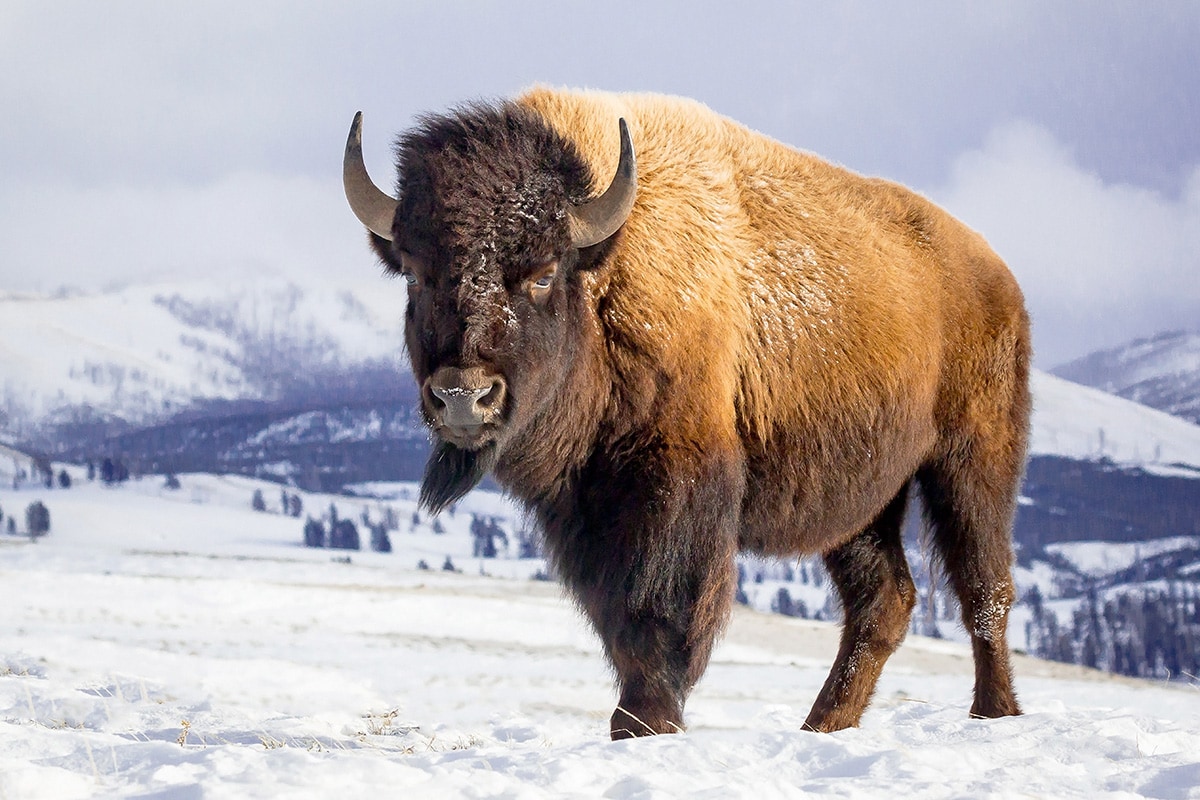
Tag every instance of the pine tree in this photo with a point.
(257, 502)
(529, 544)
(380, 542)
(344, 535)
(1091, 633)
(37, 519)
(476, 535)
(781, 603)
(314, 533)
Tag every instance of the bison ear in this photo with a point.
(596, 220)
(373, 207)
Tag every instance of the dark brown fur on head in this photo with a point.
(483, 198)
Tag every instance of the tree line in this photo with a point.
(1151, 633)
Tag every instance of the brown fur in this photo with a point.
(765, 358)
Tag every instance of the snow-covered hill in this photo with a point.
(15, 466)
(177, 643)
(1162, 371)
(143, 353)
(1087, 424)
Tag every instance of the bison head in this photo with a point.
(491, 232)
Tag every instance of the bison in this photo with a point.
(727, 345)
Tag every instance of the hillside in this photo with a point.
(142, 356)
(1086, 424)
(139, 355)
(1160, 371)
(200, 651)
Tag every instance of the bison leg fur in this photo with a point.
(657, 579)
(970, 515)
(877, 593)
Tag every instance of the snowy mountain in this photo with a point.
(1162, 371)
(142, 354)
(176, 643)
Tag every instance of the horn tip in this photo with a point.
(627, 164)
(355, 138)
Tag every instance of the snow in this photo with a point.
(179, 644)
(13, 464)
(1105, 558)
(146, 351)
(1084, 423)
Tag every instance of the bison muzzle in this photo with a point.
(719, 344)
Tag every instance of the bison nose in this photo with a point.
(465, 398)
(460, 406)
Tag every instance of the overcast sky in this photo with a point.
(151, 140)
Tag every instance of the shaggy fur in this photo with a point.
(766, 357)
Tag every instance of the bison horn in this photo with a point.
(374, 208)
(596, 220)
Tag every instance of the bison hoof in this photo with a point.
(992, 708)
(627, 724)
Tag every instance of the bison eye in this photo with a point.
(540, 282)
(408, 264)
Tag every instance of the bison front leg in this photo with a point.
(656, 669)
(654, 569)
(659, 642)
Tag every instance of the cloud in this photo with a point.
(1099, 262)
(59, 234)
(146, 139)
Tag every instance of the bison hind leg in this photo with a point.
(970, 512)
(877, 593)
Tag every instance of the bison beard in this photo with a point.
(735, 346)
(451, 472)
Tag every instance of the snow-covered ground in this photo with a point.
(179, 644)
